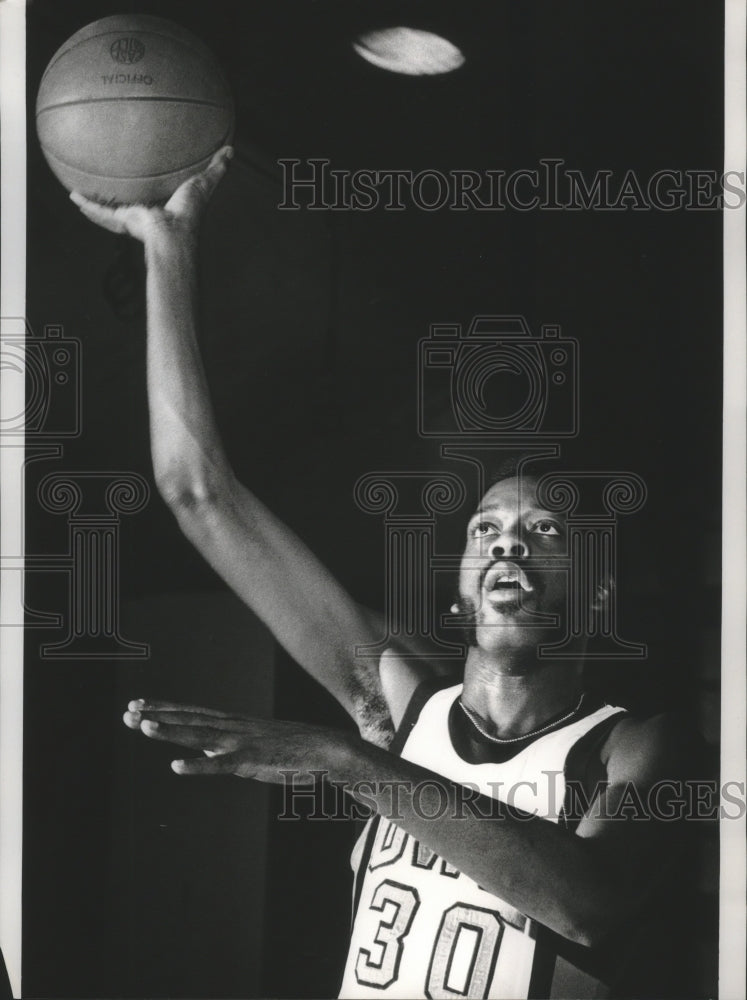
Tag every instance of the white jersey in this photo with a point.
(424, 929)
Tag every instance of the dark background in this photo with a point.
(136, 883)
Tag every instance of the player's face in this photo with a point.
(502, 583)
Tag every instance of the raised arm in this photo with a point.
(266, 564)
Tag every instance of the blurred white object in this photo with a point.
(409, 50)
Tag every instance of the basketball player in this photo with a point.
(495, 880)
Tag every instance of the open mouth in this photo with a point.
(506, 578)
(506, 586)
(506, 596)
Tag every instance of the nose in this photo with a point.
(508, 545)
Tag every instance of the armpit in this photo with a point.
(371, 712)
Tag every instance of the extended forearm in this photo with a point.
(188, 458)
(536, 866)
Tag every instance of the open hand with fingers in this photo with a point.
(180, 216)
(238, 744)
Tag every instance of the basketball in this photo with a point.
(130, 107)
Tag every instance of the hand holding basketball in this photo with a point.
(131, 106)
(179, 217)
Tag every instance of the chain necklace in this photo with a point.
(473, 718)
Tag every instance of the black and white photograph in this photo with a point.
(372, 511)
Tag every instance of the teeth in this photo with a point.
(507, 574)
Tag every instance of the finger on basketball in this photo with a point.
(196, 191)
(222, 158)
(217, 167)
(100, 214)
(130, 219)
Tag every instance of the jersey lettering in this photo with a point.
(379, 965)
(388, 845)
(465, 953)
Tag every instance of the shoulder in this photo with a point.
(400, 678)
(647, 750)
(647, 765)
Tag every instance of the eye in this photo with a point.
(483, 529)
(546, 527)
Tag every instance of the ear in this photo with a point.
(604, 595)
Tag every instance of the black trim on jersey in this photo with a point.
(363, 866)
(584, 768)
(474, 748)
(421, 695)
